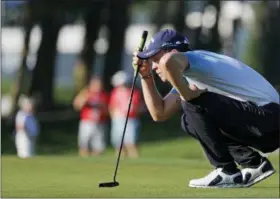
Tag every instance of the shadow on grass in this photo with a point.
(61, 137)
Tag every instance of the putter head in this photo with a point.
(109, 184)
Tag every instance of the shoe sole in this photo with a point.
(260, 178)
(218, 186)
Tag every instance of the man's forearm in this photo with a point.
(152, 98)
(180, 84)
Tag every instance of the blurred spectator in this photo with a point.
(27, 128)
(92, 103)
(118, 106)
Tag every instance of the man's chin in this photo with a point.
(162, 78)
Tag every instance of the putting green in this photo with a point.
(163, 170)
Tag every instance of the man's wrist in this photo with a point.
(147, 76)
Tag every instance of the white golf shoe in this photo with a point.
(218, 179)
(252, 176)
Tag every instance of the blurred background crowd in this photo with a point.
(66, 65)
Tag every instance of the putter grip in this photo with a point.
(143, 40)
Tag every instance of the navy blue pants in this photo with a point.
(229, 130)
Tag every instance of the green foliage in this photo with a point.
(64, 95)
(6, 86)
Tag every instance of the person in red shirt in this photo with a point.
(92, 102)
(118, 106)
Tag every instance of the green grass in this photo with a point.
(163, 170)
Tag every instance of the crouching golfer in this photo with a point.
(229, 108)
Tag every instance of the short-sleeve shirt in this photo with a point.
(229, 77)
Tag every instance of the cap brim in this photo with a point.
(146, 54)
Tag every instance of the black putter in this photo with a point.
(115, 183)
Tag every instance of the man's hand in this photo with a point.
(145, 65)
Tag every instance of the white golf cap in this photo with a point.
(119, 78)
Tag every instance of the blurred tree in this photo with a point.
(117, 23)
(179, 15)
(92, 16)
(197, 39)
(49, 16)
(263, 50)
(17, 88)
(209, 39)
(270, 42)
(159, 21)
(237, 24)
(214, 43)
(252, 57)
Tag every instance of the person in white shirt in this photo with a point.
(27, 128)
(229, 108)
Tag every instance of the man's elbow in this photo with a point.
(175, 60)
(167, 61)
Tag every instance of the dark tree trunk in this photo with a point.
(158, 18)
(198, 36)
(209, 39)
(84, 66)
(42, 84)
(215, 40)
(117, 23)
(179, 18)
(18, 87)
(236, 24)
(198, 44)
(270, 44)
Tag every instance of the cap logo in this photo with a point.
(149, 53)
(170, 44)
